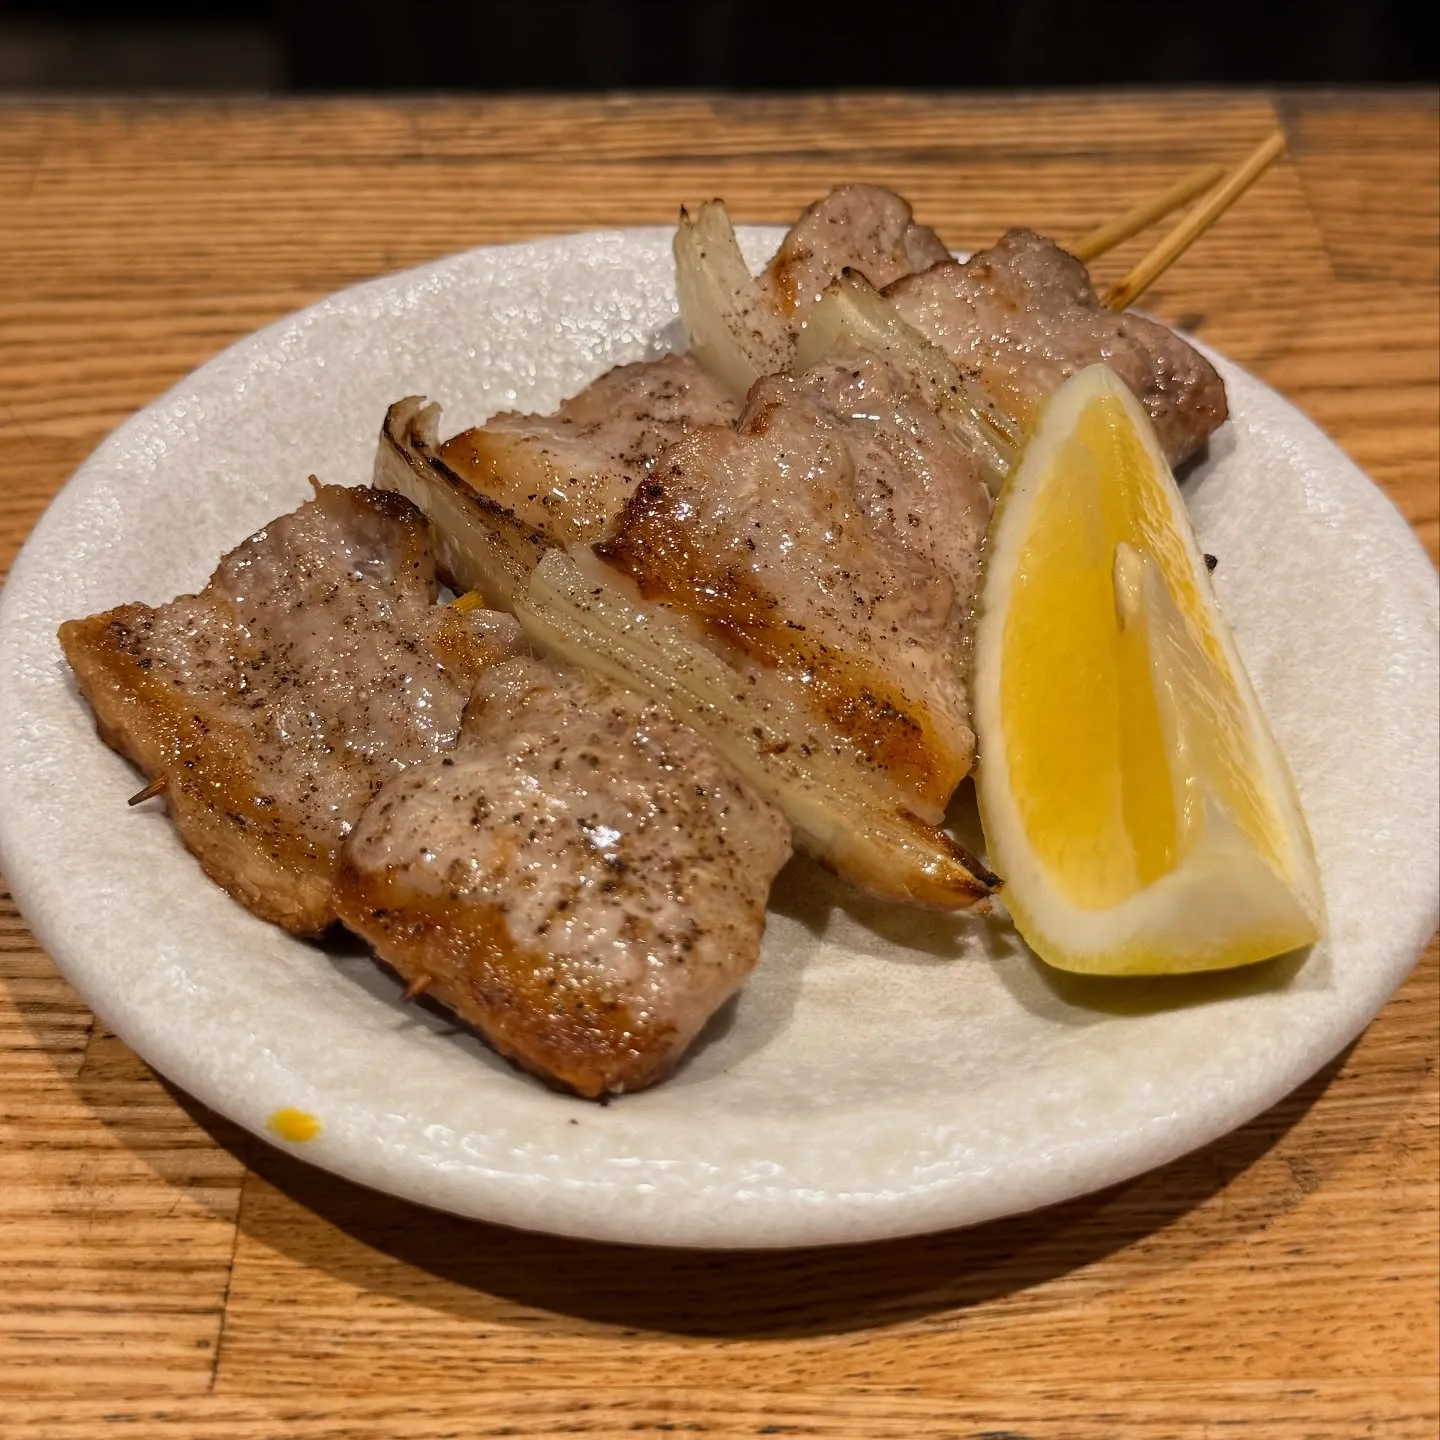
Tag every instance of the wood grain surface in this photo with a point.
(163, 1274)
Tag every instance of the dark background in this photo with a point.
(371, 45)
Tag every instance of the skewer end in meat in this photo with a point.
(417, 987)
(154, 788)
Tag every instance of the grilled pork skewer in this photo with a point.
(577, 875)
(825, 547)
(587, 918)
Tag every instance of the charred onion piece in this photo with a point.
(733, 333)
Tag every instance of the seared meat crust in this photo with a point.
(761, 535)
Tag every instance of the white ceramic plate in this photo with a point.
(885, 1072)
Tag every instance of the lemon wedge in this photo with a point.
(1131, 791)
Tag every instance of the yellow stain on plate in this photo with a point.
(294, 1125)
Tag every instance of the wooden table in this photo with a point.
(162, 1274)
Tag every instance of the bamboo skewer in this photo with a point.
(1145, 214)
(154, 788)
(416, 988)
(1126, 291)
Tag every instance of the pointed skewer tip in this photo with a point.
(154, 788)
(417, 987)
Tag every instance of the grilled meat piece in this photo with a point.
(855, 227)
(779, 539)
(273, 704)
(1022, 317)
(582, 878)
(569, 474)
(916, 484)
